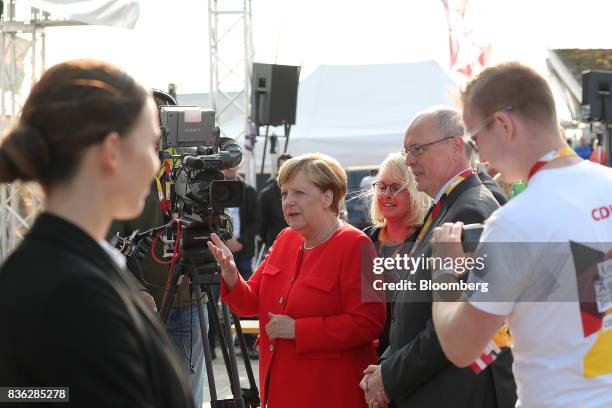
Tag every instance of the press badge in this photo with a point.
(607, 323)
(603, 286)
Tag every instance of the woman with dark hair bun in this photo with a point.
(70, 314)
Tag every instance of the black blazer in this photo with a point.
(271, 210)
(71, 317)
(416, 373)
(249, 222)
(493, 187)
(372, 233)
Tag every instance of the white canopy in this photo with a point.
(358, 113)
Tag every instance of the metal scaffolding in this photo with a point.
(22, 52)
(229, 24)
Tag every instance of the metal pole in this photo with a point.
(212, 52)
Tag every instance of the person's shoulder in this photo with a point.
(584, 174)
(473, 205)
(286, 235)
(371, 232)
(61, 277)
(45, 258)
(249, 188)
(517, 217)
(597, 169)
(349, 235)
(269, 189)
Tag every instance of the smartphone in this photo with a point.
(470, 236)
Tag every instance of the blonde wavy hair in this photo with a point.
(394, 167)
(322, 170)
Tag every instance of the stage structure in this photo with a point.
(229, 23)
(22, 58)
(22, 42)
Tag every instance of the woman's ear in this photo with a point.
(110, 156)
(328, 196)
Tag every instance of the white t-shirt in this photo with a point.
(545, 250)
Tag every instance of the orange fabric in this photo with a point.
(595, 156)
(334, 330)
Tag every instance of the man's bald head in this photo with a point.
(439, 131)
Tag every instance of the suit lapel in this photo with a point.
(448, 202)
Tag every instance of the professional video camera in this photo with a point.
(193, 196)
(199, 194)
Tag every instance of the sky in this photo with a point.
(170, 40)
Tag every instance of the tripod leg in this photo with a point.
(207, 357)
(247, 364)
(232, 352)
(168, 300)
(223, 339)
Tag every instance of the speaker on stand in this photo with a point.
(274, 91)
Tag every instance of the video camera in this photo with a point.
(198, 192)
(204, 154)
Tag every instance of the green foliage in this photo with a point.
(578, 60)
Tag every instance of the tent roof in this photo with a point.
(355, 113)
(358, 113)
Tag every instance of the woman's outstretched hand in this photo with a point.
(224, 259)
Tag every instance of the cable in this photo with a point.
(155, 258)
(174, 258)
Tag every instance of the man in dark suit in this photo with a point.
(414, 371)
(486, 179)
(269, 203)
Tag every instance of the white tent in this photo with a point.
(358, 113)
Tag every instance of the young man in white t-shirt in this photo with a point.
(547, 253)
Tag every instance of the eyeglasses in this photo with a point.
(382, 188)
(470, 135)
(417, 150)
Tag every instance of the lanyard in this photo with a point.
(550, 156)
(164, 193)
(434, 211)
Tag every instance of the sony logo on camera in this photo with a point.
(187, 126)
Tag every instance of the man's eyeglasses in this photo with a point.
(382, 188)
(470, 135)
(420, 148)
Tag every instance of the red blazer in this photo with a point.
(321, 289)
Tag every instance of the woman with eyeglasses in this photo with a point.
(397, 212)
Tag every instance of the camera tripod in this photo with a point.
(201, 283)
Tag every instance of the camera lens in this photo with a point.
(221, 192)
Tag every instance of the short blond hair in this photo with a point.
(322, 170)
(511, 84)
(394, 167)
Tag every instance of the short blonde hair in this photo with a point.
(322, 170)
(394, 167)
(514, 85)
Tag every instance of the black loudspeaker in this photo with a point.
(274, 94)
(596, 94)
